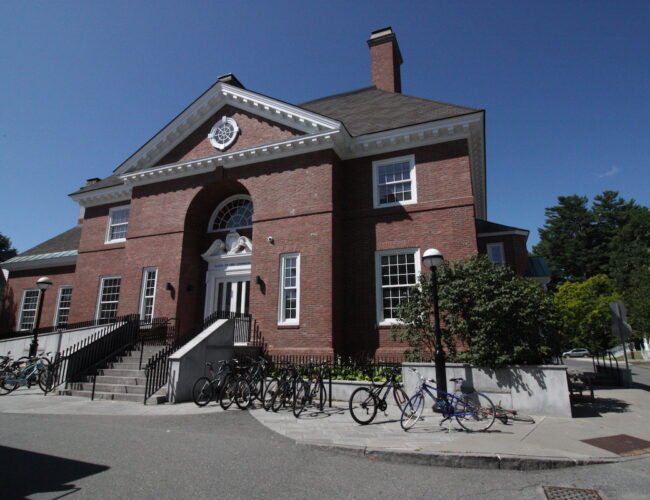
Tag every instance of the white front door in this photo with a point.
(231, 294)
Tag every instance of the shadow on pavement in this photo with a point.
(584, 407)
(25, 473)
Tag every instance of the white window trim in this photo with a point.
(503, 252)
(379, 296)
(282, 321)
(110, 223)
(101, 288)
(375, 181)
(58, 304)
(223, 204)
(22, 305)
(143, 288)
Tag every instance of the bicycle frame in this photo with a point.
(448, 409)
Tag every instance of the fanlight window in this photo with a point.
(233, 214)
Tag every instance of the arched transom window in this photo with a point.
(234, 213)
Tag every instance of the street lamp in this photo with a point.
(43, 284)
(433, 259)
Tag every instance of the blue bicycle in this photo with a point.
(473, 410)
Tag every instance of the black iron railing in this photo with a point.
(62, 327)
(606, 364)
(157, 369)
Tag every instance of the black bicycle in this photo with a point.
(311, 391)
(365, 401)
(207, 388)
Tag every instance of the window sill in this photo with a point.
(288, 327)
(397, 204)
(121, 240)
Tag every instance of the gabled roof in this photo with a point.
(68, 240)
(370, 110)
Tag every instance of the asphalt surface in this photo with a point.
(229, 455)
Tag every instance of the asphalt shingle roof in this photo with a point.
(485, 226)
(64, 242)
(370, 109)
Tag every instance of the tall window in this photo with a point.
(496, 253)
(148, 293)
(289, 306)
(109, 297)
(394, 181)
(234, 213)
(118, 222)
(63, 306)
(396, 273)
(28, 310)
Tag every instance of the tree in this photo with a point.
(6, 250)
(577, 241)
(585, 312)
(493, 316)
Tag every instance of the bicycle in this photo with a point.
(473, 410)
(236, 388)
(27, 371)
(310, 390)
(503, 415)
(286, 391)
(207, 388)
(364, 402)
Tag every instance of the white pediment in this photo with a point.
(220, 95)
(234, 247)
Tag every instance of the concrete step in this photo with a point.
(126, 365)
(114, 388)
(134, 398)
(112, 372)
(104, 379)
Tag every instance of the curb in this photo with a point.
(462, 460)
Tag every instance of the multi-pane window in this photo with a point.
(148, 293)
(28, 310)
(63, 306)
(496, 253)
(289, 306)
(397, 272)
(109, 297)
(118, 223)
(394, 181)
(234, 214)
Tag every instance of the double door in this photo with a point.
(232, 294)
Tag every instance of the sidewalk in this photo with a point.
(551, 442)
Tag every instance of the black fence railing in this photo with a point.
(157, 369)
(78, 352)
(606, 369)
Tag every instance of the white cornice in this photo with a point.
(290, 147)
(103, 196)
(219, 95)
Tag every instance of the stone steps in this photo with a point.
(121, 381)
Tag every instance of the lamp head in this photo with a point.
(44, 283)
(432, 258)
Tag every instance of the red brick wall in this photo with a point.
(514, 247)
(385, 67)
(23, 280)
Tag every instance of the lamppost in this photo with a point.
(433, 259)
(43, 284)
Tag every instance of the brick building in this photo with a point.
(311, 217)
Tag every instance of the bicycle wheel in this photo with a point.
(269, 392)
(520, 417)
(9, 381)
(202, 391)
(363, 406)
(280, 396)
(412, 411)
(400, 396)
(474, 412)
(46, 380)
(301, 398)
(257, 385)
(227, 395)
(243, 394)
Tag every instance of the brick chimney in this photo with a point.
(385, 60)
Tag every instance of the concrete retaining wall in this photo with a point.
(188, 363)
(47, 342)
(534, 390)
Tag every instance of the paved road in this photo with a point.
(229, 455)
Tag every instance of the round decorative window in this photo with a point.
(223, 133)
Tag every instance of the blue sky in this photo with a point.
(84, 84)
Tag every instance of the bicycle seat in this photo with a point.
(459, 379)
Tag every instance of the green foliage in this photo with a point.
(6, 250)
(498, 318)
(584, 307)
(579, 242)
